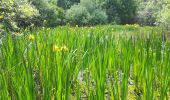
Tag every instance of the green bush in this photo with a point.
(111, 7)
(127, 11)
(50, 12)
(78, 14)
(148, 11)
(163, 17)
(90, 5)
(121, 11)
(87, 12)
(66, 4)
(26, 14)
(98, 17)
(17, 14)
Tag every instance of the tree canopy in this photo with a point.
(16, 14)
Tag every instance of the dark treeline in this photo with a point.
(16, 14)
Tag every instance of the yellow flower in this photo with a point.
(64, 48)
(1, 17)
(56, 48)
(31, 37)
(77, 26)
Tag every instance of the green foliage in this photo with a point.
(90, 5)
(26, 14)
(112, 11)
(50, 12)
(7, 14)
(121, 11)
(78, 14)
(17, 14)
(146, 13)
(86, 12)
(163, 17)
(26, 11)
(62, 3)
(98, 17)
(127, 11)
(66, 4)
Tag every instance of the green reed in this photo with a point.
(74, 63)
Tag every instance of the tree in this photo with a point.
(98, 17)
(121, 11)
(78, 15)
(50, 12)
(87, 12)
(111, 7)
(66, 4)
(127, 11)
(17, 14)
(163, 17)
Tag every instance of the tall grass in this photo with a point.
(96, 63)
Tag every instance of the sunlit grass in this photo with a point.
(102, 62)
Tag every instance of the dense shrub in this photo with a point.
(121, 11)
(17, 14)
(50, 12)
(26, 14)
(163, 17)
(90, 5)
(66, 4)
(148, 11)
(78, 14)
(98, 17)
(111, 7)
(127, 11)
(86, 12)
